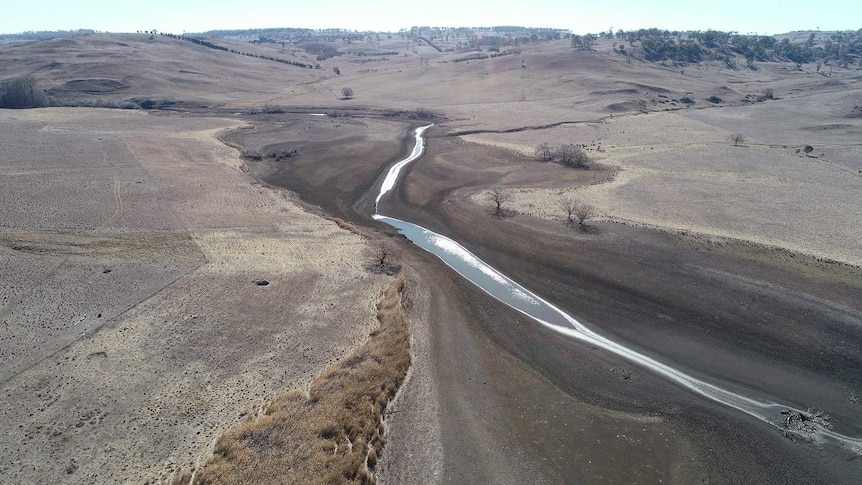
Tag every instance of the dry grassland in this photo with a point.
(186, 343)
(333, 434)
(679, 170)
(138, 336)
(116, 67)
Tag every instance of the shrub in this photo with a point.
(423, 114)
(544, 153)
(20, 93)
(572, 156)
(714, 99)
(577, 214)
(251, 155)
(150, 103)
(686, 100)
(283, 154)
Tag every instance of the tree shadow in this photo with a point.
(584, 228)
(501, 213)
(590, 229)
(389, 269)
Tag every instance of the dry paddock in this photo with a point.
(133, 333)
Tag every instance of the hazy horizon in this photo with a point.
(769, 17)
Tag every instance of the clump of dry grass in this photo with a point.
(333, 435)
(344, 225)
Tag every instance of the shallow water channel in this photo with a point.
(521, 299)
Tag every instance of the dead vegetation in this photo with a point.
(21, 93)
(417, 114)
(573, 156)
(804, 425)
(577, 213)
(383, 257)
(333, 434)
(341, 223)
(499, 196)
(279, 155)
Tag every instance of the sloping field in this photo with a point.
(186, 342)
(116, 67)
(680, 170)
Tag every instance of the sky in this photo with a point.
(579, 16)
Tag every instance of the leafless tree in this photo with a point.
(572, 156)
(21, 92)
(383, 255)
(544, 153)
(570, 207)
(583, 41)
(347, 93)
(499, 196)
(737, 138)
(583, 213)
(577, 213)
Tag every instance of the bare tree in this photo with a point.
(577, 213)
(347, 93)
(383, 256)
(737, 138)
(583, 41)
(22, 92)
(544, 153)
(572, 156)
(583, 213)
(499, 196)
(570, 207)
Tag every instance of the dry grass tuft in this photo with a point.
(333, 435)
(344, 225)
